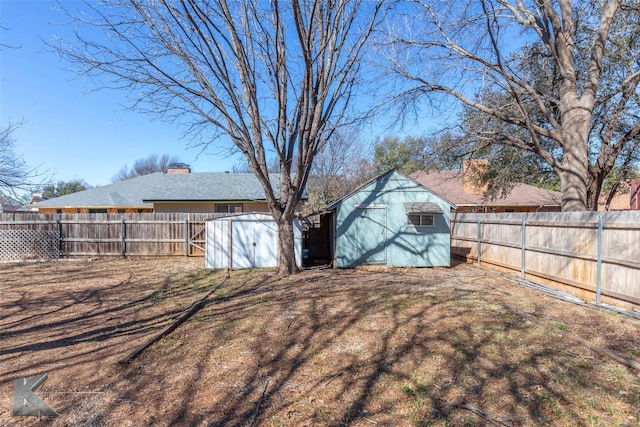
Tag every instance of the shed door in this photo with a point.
(254, 244)
(266, 244)
(372, 225)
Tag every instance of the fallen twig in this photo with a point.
(334, 377)
(471, 408)
(125, 280)
(615, 356)
(74, 392)
(255, 412)
(197, 305)
(568, 353)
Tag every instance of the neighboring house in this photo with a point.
(177, 190)
(458, 187)
(9, 205)
(619, 202)
(37, 197)
(626, 198)
(634, 194)
(391, 220)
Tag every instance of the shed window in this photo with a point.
(421, 220)
(228, 207)
(422, 214)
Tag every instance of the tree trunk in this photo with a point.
(573, 184)
(594, 190)
(611, 195)
(574, 172)
(286, 248)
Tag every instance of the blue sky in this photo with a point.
(70, 130)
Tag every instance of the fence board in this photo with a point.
(570, 250)
(117, 234)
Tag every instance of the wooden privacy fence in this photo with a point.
(51, 235)
(594, 255)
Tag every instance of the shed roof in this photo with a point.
(336, 202)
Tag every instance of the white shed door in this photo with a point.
(254, 244)
(266, 244)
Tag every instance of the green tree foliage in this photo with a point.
(555, 80)
(507, 165)
(62, 188)
(410, 153)
(405, 155)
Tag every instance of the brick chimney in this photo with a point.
(634, 194)
(472, 171)
(179, 168)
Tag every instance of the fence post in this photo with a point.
(524, 247)
(599, 268)
(59, 230)
(186, 236)
(479, 240)
(123, 238)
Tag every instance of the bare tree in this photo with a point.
(274, 77)
(273, 166)
(579, 114)
(343, 164)
(146, 165)
(15, 176)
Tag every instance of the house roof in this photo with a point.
(142, 191)
(392, 171)
(451, 184)
(7, 204)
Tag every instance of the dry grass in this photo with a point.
(365, 347)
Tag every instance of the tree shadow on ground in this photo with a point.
(348, 347)
(326, 349)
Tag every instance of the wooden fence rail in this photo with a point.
(594, 255)
(111, 234)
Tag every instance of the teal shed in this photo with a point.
(392, 220)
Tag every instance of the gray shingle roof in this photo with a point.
(8, 204)
(142, 191)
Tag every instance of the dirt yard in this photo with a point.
(365, 347)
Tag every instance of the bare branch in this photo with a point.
(276, 78)
(540, 68)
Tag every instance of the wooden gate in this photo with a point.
(197, 231)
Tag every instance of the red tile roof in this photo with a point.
(449, 184)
